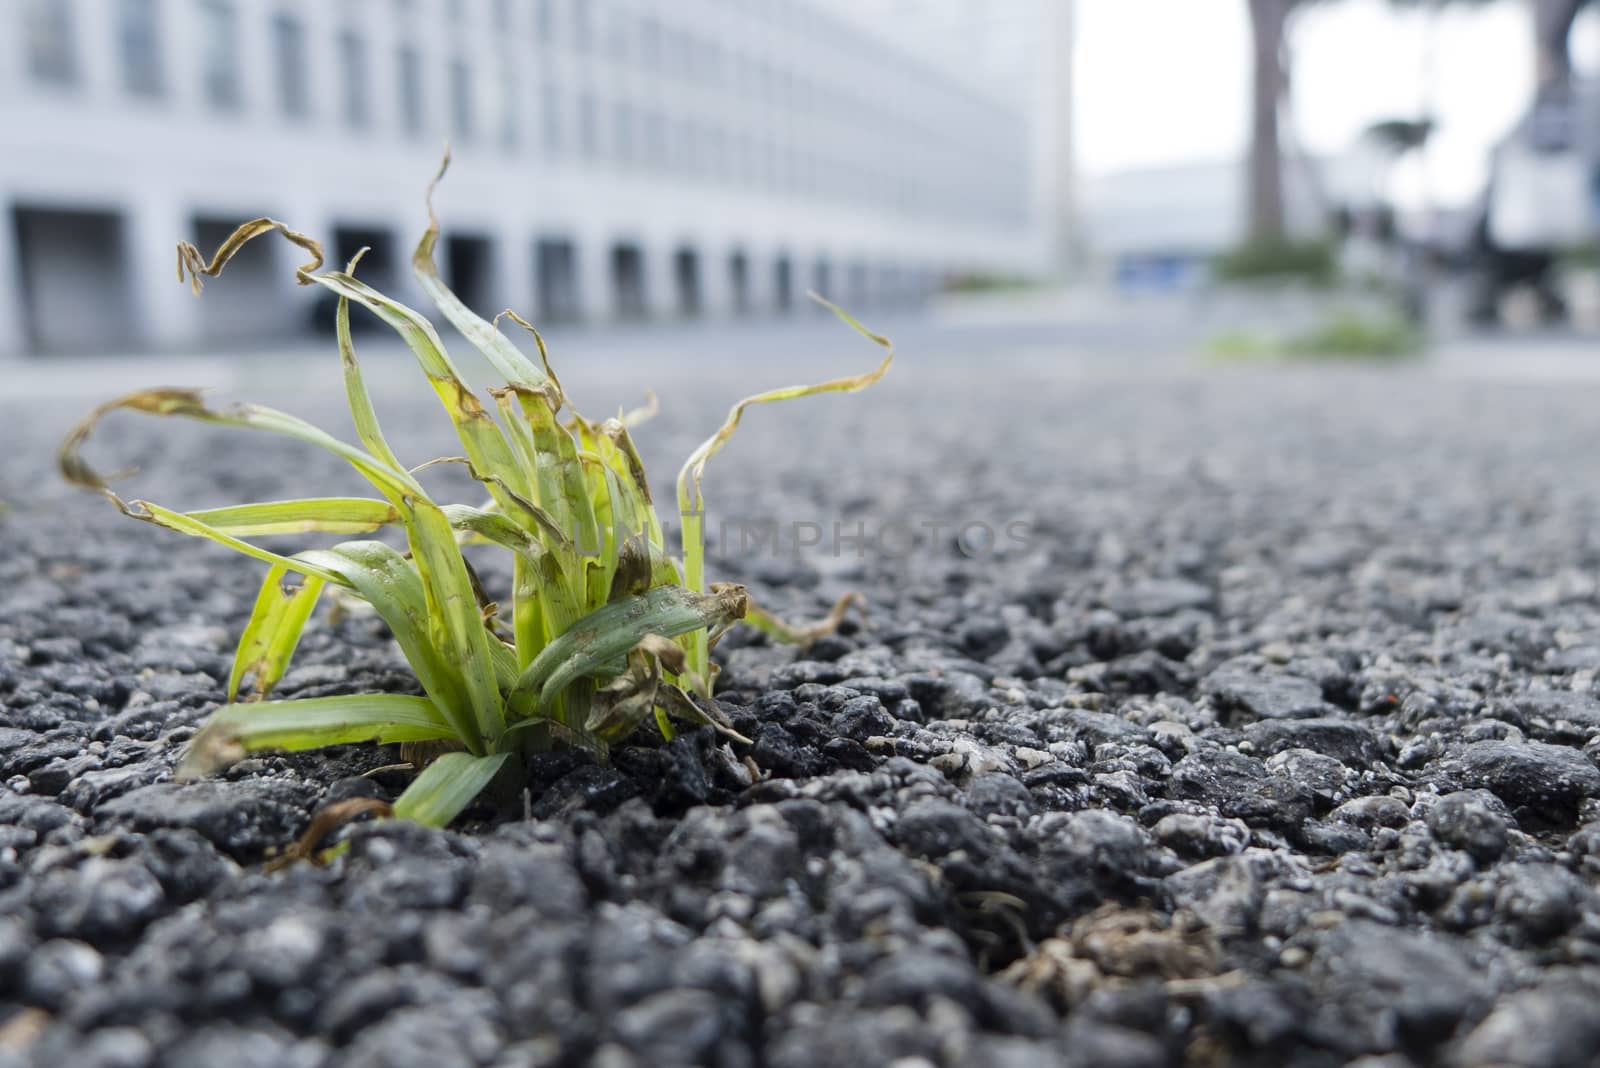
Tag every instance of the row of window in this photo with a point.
(957, 156)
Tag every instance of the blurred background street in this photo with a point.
(1144, 186)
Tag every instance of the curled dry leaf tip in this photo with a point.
(191, 264)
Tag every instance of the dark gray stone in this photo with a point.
(1259, 697)
(1542, 1028)
(1159, 597)
(1545, 782)
(1467, 820)
(241, 819)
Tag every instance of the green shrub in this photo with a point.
(1314, 262)
(1351, 335)
(604, 628)
(1346, 335)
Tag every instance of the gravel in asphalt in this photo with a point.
(1269, 738)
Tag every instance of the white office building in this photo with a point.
(613, 158)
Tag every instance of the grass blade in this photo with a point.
(457, 621)
(480, 437)
(389, 583)
(319, 515)
(507, 359)
(186, 403)
(355, 389)
(691, 505)
(273, 632)
(193, 265)
(183, 524)
(447, 786)
(478, 433)
(610, 632)
(235, 731)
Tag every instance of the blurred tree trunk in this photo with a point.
(1268, 19)
(1552, 26)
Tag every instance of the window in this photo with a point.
(219, 55)
(550, 106)
(655, 140)
(582, 27)
(139, 42)
(688, 146)
(289, 56)
(716, 153)
(622, 133)
(507, 81)
(619, 36)
(461, 99)
(588, 125)
(357, 103)
(649, 43)
(545, 21)
(410, 64)
(52, 52)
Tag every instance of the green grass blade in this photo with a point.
(166, 517)
(458, 625)
(477, 431)
(694, 467)
(480, 437)
(605, 499)
(691, 505)
(235, 731)
(446, 787)
(388, 582)
(507, 359)
(319, 515)
(609, 632)
(355, 390)
(187, 403)
(560, 490)
(529, 625)
(273, 632)
(506, 668)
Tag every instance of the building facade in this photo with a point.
(613, 159)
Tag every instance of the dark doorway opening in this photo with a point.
(783, 285)
(75, 282)
(627, 282)
(556, 268)
(889, 286)
(739, 283)
(467, 270)
(822, 279)
(856, 285)
(686, 279)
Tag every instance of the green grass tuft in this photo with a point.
(1314, 262)
(605, 629)
(1344, 335)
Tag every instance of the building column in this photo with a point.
(513, 286)
(660, 286)
(13, 333)
(763, 290)
(167, 313)
(716, 279)
(596, 300)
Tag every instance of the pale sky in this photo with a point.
(1167, 81)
